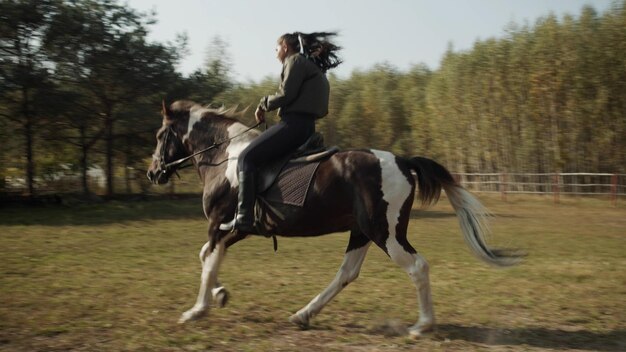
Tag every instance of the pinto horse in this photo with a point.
(367, 192)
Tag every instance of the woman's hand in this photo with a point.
(259, 115)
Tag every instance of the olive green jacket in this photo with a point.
(303, 89)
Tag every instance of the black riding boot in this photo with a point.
(244, 217)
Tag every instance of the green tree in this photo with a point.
(417, 134)
(24, 72)
(101, 50)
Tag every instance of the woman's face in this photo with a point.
(281, 51)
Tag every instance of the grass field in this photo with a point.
(116, 277)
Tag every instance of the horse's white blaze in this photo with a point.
(396, 188)
(195, 115)
(235, 147)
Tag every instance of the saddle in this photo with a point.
(295, 169)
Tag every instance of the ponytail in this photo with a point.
(316, 47)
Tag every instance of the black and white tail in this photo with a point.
(472, 215)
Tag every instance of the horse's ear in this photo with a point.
(166, 112)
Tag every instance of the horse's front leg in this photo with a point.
(219, 292)
(211, 261)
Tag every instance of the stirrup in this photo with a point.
(228, 226)
(231, 226)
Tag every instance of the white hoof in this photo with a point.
(301, 320)
(220, 297)
(192, 314)
(420, 329)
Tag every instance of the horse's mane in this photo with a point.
(207, 110)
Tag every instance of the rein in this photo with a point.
(177, 163)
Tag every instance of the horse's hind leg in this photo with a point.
(398, 194)
(348, 272)
(416, 266)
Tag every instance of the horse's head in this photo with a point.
(188, 129)
(169, 146)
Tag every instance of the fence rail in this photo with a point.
(610, 185)
(556, 184)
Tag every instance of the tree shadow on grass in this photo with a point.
(536, 337)
(115, 211)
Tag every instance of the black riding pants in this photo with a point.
(279, 140)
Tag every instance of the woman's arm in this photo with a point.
(294, 74)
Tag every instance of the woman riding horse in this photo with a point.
(301, 99)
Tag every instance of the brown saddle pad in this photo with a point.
(292, 184)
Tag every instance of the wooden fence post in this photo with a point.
(556, 188)
(614, 189)
(503, 185)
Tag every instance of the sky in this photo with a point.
(402, 33)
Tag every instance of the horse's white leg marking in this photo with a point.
(210, 268)
(417, 268)
(203, 253)
(396, 188)
(347, 273)
(219, 293)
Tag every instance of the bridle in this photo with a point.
(175, 165)
(163, 166)
(178, 164)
